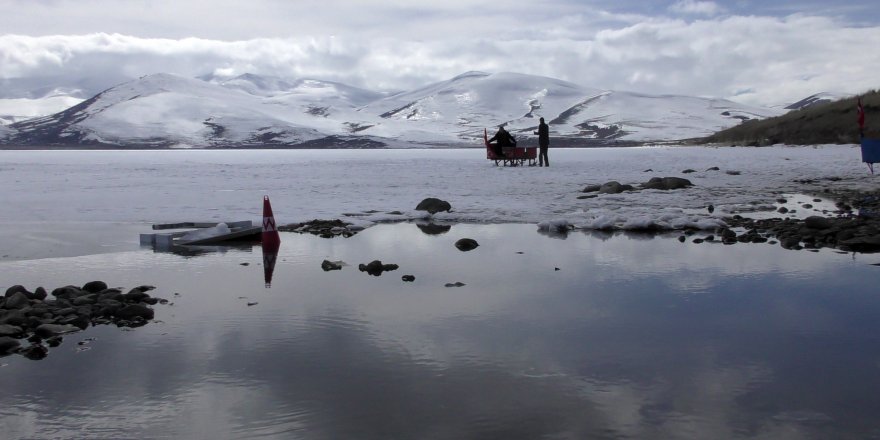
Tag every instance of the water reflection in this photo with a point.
(630, 338)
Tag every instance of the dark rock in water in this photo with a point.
(54, 341)
(782, 210)
(781, 200)
(328, 265)
(67, 292)
(688, 171)
(10, 330)
(710, 208)
(588, 196)
(14, 317)
(614, 187)
(455, 284)
(408, 278)
(682, 238)
(667, 183)
(39, 294)
(135, 295)
(433, 205)
(111, 294)
(376, 267)
(85, 299)
(48, 330)
(79, 321)
(133, 311)
(322, 228)
(817, 222)
(466, 244)
(35, 352)
(15, 289)
(713, 169)
(8, 345)
(18, 300)
(94, 286)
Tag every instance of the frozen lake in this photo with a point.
(585, 335)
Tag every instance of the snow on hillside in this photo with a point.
(253, 110)
(463, 106)
(459, 109)
(818, 98)
(167, 110)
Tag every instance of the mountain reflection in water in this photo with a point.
(571, 336)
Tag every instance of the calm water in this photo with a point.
(632, 337)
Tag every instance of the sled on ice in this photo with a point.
(513, 156)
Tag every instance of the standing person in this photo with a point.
(543, 143)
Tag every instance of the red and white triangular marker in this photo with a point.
(270, 237)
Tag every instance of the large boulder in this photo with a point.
(614, 187)
(18, 300)
(433, 205)
(15, 289)
(818, 222)
(94, 286)
(667, 183)
(8, 345)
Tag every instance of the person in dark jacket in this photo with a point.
(543, 143)
(502, 139)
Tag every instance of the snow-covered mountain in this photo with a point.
(164, 110)
(818, 98)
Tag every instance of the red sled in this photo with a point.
(513, 156)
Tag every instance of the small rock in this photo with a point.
(35, 352)
(252, 303)
(782, 210)
(733, 173)
(48, 330)
(376, 267)
(466, 244)
(455, 284)
(132, 311)
(710, 208)
(688, 171)
(408, 278)
(328, 265)
(713, 169)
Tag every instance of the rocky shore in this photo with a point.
(42, 322)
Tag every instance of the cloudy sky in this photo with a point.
(763, 52)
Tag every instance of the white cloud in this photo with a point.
(753, 59)
(696, 7)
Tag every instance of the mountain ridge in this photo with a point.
(164, 110)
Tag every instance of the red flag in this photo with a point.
(861, 111)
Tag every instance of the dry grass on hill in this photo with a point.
(829, 123)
